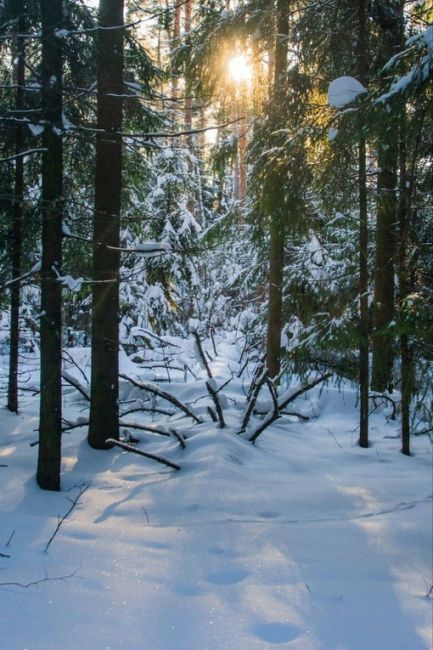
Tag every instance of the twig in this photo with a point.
(82, 490)
(213, 341)
(145, 409)
(146, 514)
(179, 437)
(375, 396)
(126, 447)
(10, 538)
(241, 370)
(253, 393)
(210, 385)
(201, 354)
(331, 433)
(144, 427)
(37, 582)
(155, 390)
(74, 363)
(212, 413)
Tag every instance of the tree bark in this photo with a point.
(20, 54)
(104, 408)
(50, 429)
(277, 234)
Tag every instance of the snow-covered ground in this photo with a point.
(302, 541)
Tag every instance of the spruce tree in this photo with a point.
(50, 423)
(104, 406)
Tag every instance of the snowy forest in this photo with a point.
(216, 324)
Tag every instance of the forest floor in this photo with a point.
(302, 541)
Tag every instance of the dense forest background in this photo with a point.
(181, 169)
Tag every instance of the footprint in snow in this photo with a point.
(227, 577)
(276, 632)
(268, 514)
(187, 590)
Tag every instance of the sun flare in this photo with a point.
(239, 68)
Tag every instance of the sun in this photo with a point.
(239, 69)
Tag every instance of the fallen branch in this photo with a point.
(291, 396)
(126, 447)
(282, 403)
(200, 354)
(259, 379)
(74, 363)
(155, 390)
(211, 387)
(144, 427)
(386, 398)
(179, 437)
(291, 413)
(145, 409)
(76, 384)
(82, 490)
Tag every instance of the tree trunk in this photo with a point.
(104, 408)
(276, 265)
(277, 234)
(404, 290)
(188, 108)
(363, 237)
(176, 34)
(386, 226)
(17, 217)
(49, 458)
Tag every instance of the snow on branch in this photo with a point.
(126, 447)
(159, 392)
(281, 403)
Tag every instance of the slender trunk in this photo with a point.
(277, 234)
(104, 408)
(188, 107)
(49, 457)
(363, 237)
(404, 290)
(17, 218)
(242, 153)
(276, 265)
(386, 227)
(176, 33)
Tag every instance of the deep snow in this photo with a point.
(303, 541)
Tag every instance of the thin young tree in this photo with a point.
(50, 423)
(389, 16)
(104, 408)
(363, 236)
(19, 63)
(277, 234)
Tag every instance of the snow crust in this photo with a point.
(303, 541)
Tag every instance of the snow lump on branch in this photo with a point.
(343, 91)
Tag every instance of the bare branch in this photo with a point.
(210, 385)
(281, 404)
(127, 447)
(201, 354)
(155, 390)
(82, 489)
